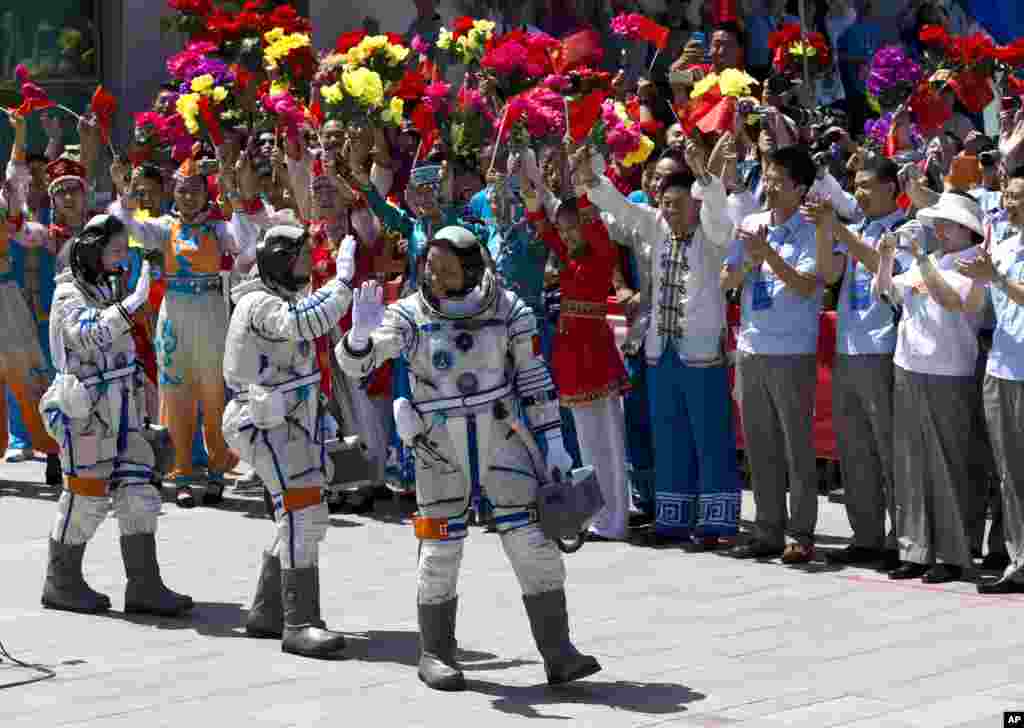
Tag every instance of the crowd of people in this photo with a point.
(416, 239)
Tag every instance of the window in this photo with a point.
(57, 40)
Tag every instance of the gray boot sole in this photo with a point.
(262, 633)
(584, 670)
(78, 609)
(448, 685)
(321, 652)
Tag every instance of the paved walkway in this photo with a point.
(685, 639)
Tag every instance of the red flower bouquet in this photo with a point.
(790, 48)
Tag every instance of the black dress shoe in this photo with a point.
(1003, 586)
(995, 562)
(853, 556)
(909, 570)
(755, 550)
(942, 574)
(890, 560)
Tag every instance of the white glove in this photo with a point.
(367, 314)
(137, 298)
(558, 459)
(345, 261)
(408, 421)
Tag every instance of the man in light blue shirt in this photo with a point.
(775, 260)
(862, 378)
(1002, 268)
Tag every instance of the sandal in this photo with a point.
(214, 494)
(183, 495)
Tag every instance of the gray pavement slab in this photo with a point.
(686, 639)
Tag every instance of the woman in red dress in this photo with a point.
(588, 368)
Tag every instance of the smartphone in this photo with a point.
(208, 167)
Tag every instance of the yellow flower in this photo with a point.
(444, 40)
(704, 85)
(187, 106)
(641, 153)
(272, 36)
(279, 86)
(282, 46)
(332, 94)
(202, 83)
(365, 85)
(484, 26)
(219, 94)
(800, 49)
(462, 42)
(397, 54)
(733, 82)
(393, 113)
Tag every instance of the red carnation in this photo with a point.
(347, 41)
(228, 25)
(201, 8)
(411, 87)
(461, 26)
(1012, 55)
(288, 19)
(976, 48)
(935, 35)
(395, 39)
(784, 36)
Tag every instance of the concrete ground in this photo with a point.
(685, 639)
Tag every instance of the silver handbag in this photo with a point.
(160, 443)
(566, 507)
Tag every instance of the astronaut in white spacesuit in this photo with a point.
(95, 409)
(476, 375)
(276, 423)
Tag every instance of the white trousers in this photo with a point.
(535, 559)
(601, 429)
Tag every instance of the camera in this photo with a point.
(208, 167)
(989, 158)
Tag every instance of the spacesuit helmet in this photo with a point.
(85, 258)
(276, 256)
(470, 254)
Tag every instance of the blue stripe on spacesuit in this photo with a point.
(67, 517)
(291, 537)
(122, 430)
(474, 454)
(277, 465)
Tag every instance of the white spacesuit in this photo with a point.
(276, 424)
(95, 409)
(476, 374)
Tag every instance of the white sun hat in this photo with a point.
(955, 208)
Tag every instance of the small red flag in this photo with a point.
(891, 146)
(583, 48)
(653, 33)
(423, 119)
(584, 113)
(210, 121)
(104, 106)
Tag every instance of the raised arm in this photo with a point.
(390, 216)
(311, 317)
(377, 334)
